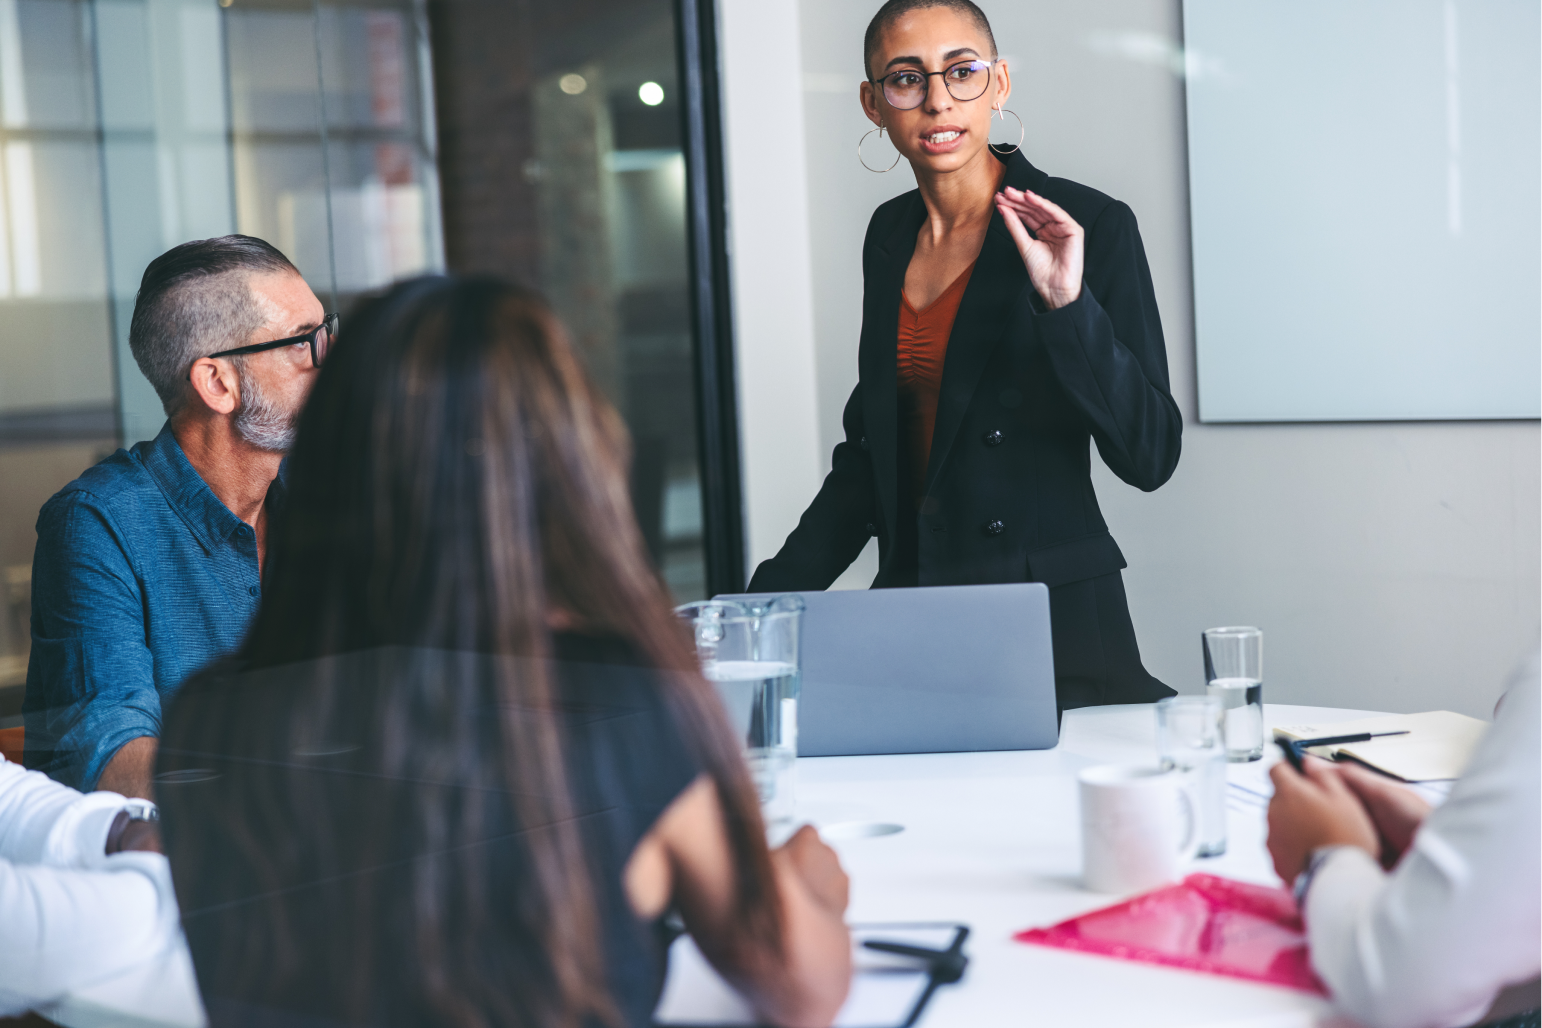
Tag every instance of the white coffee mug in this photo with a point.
(1139, 827)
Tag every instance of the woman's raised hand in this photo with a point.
(1053, 252)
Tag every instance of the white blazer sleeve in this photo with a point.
(70, 915)
(43, 822)
(65, 929)
(1431, 944)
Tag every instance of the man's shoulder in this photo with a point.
(116, 485)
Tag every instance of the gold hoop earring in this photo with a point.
(876, 171)
(1021, 133)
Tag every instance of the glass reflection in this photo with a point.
(341, 179)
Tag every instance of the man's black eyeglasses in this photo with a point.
(319, 337)
(906, 89)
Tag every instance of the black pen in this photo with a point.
(947, 965)
(1293, 748)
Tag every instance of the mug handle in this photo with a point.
(1187, 794)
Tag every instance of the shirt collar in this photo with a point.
(210, 521)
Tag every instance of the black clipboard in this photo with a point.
(898, 985)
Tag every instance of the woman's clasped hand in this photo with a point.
(1330, 804)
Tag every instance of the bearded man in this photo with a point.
(149, 565)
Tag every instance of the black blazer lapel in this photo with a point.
(1020, 173)
(997, 279)
(879, 355)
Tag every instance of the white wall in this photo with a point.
(768, 216)
(1391, 566)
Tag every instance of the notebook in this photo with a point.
(1438, 746)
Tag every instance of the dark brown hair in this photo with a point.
(894, 10)
(456, 484)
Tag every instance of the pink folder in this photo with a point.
(1204, 923)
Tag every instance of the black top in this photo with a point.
(230, 763)
(1008, 491)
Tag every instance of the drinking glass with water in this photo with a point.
(1234, 674)
(1190, 738)
(749, 650)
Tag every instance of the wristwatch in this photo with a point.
(141, 810)
(134, 809)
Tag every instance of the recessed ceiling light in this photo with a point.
(651, 93)
(572, 85)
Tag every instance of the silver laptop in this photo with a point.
(926, 670)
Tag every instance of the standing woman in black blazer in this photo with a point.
(1056, 340)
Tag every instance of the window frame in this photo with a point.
(711, 298)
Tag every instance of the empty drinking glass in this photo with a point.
(1234, 673)
(749, 650)
(1190, 739)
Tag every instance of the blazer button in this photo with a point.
(993, 437)
(864, 442)
(872, 529)
(995, 527)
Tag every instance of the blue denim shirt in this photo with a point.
(141, 577)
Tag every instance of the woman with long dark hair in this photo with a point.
(1008, 321)
(465, 762)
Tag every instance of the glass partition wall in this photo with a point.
(57, 379)
(128, 126)
(555, 152)
(584, 193)
(306, 124)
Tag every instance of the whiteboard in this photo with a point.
(1364, 180)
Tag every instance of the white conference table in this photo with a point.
(991, 840)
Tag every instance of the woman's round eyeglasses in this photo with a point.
(905, 90)
(320, 340)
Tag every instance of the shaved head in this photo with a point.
(894, 10)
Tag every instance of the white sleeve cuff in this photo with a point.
(1347, 879)
(79, 837)
(43, 822)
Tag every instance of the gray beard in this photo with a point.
(260, 421)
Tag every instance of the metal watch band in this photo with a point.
(141, 810)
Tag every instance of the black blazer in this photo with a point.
(1008, 488)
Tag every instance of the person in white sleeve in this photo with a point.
(84, 897)
(1419, 918)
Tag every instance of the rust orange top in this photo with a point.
(923, 345)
